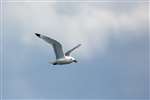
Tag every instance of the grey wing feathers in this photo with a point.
(68, 52)
(56, 45)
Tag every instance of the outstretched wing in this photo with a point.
(68, 52)
(56, 45)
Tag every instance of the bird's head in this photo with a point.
(73, 59)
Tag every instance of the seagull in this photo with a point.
(61, 57)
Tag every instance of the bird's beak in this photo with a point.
(75, 61)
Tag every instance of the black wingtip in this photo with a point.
(79, 45)
(37, 34)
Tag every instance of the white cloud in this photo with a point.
(90, 25)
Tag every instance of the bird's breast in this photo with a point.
(64, 61)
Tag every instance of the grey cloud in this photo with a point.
(113, 56)
(88, 25)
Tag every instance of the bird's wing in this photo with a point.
(56, 45)
(68, 52)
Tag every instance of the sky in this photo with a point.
(112, 61)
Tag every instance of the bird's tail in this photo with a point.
(52, 62)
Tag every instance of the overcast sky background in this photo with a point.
(113, 58)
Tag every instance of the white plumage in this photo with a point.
(61, 57)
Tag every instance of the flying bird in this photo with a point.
(61, 57)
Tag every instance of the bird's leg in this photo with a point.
(55, 63)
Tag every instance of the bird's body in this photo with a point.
(62, 61)
(61, 57)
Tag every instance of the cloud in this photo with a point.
(93, 26)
